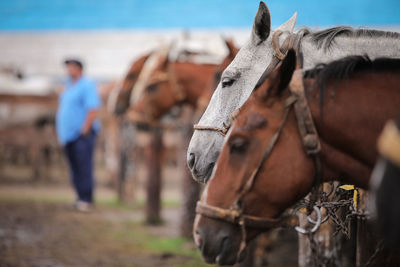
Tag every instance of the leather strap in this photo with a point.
(292, 41)
(233, 216)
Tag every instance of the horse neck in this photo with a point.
(348, 45)
(351, 119)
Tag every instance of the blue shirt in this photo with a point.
(77, 99)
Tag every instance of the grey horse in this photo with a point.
(240, 77)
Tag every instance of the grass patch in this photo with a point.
(139, 237)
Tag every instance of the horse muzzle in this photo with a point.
(219, 242)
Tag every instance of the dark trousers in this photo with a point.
(80, 160)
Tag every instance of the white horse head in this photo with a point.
(236, 85)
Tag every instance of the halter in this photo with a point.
(292, 41)
(309, 136)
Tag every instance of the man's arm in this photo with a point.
(87, 126)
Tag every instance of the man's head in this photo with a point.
(74, 68)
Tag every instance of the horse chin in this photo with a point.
(218, 241)
(203, 179)
(202, 155)
(199, 180)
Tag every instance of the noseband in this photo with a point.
(292, 41)
(309, 136)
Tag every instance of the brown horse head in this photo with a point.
(174, 83)
(123, 98)
(284, 177)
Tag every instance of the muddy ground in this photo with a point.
(43, 233)
(39, 228)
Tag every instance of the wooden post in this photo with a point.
(153, 188)
(190, 188)
(368, 240)
(323, 238)
(111, 151)
(125, 146)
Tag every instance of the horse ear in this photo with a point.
(278, 80)
(231, 47)
(289, 24)
(285, 72)
(261, 25)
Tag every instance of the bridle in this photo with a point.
(309, 136)
(292, 41)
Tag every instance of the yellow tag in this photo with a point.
(349, 187)
(355, 198)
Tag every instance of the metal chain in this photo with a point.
(332, 202)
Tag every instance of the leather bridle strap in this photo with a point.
(308, 132)
(292, 41)
(312, 147)
(232, 216)
(235, 213)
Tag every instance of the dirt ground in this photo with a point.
(41, 229)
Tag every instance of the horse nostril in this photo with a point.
(191, 160)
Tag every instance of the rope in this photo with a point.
(221, 131)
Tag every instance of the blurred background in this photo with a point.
(37, 227)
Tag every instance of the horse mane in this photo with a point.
(325, 38)
(347, 66)
(344, 68)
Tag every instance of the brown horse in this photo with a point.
(175, 83)
(263, 168)
(124, 95)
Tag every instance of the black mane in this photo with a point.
(325, 38)
(347, 66)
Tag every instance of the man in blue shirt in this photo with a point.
(77, 128)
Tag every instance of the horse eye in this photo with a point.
(239, 146)
(227, 82)
(152, 88)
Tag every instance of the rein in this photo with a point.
(235, 214)
(291, 42)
